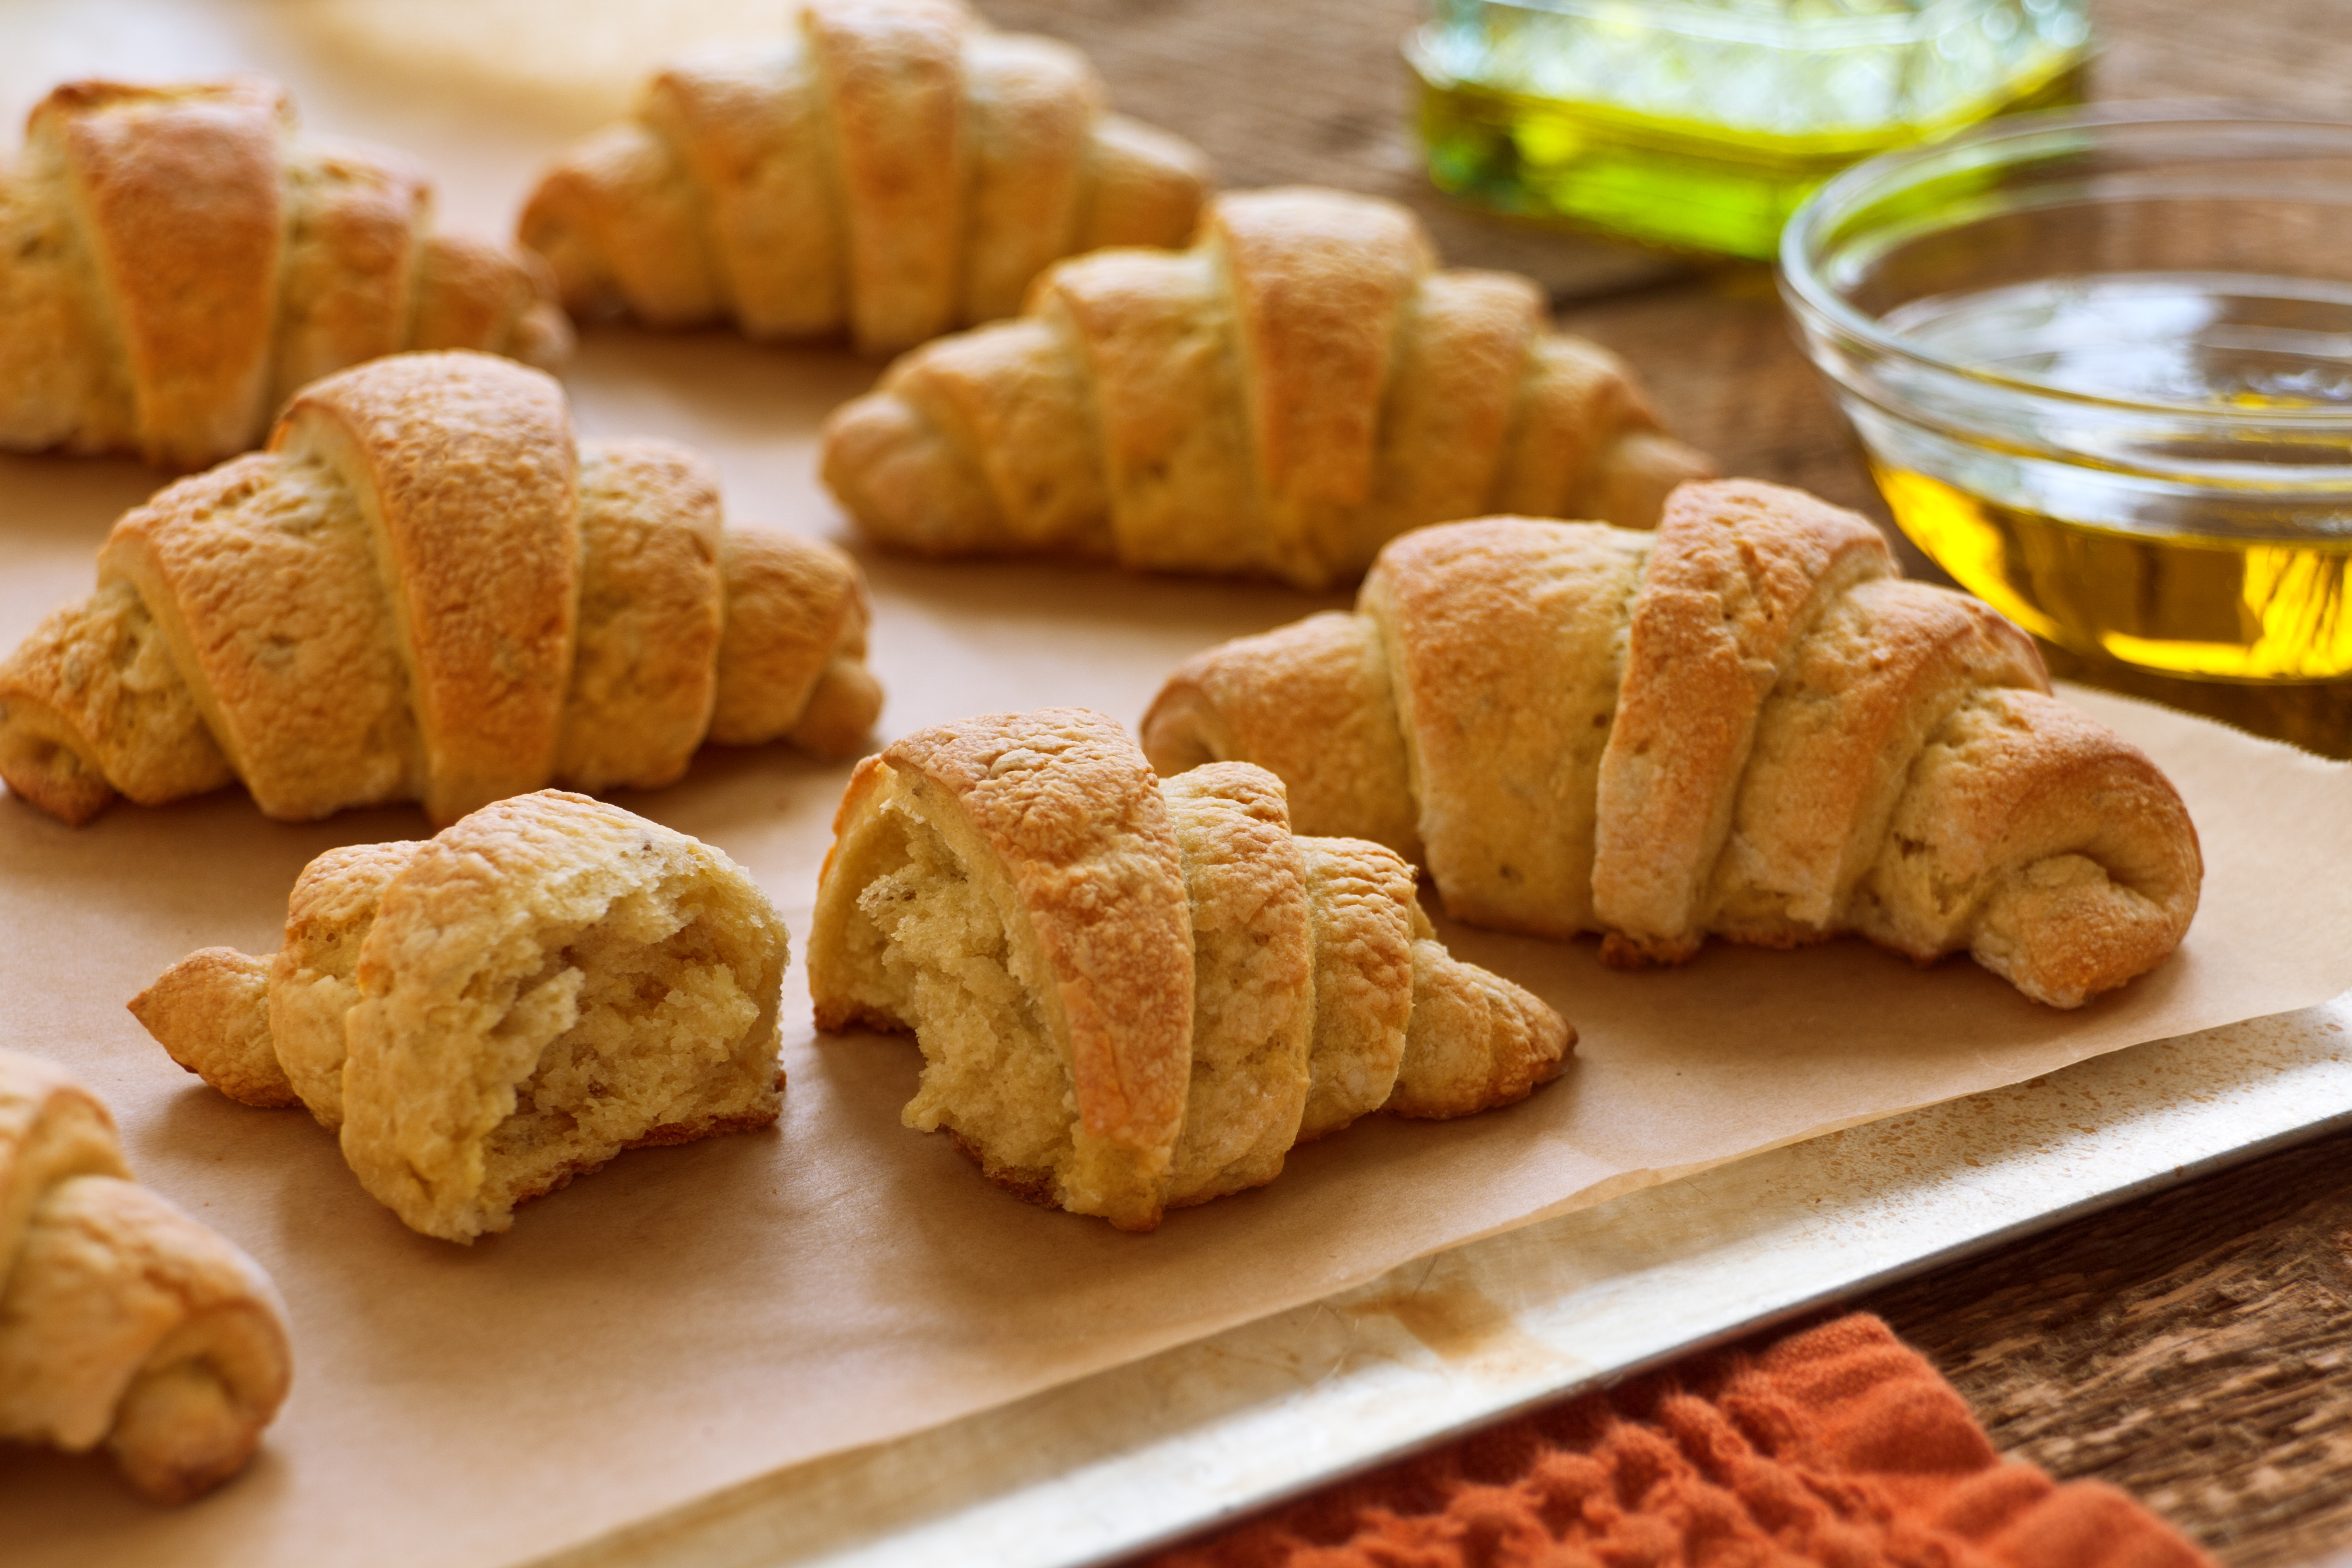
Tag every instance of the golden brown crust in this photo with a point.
(90, 703)
(839, 722)
(487, 1014)
(1738, 575)
(1316, 289)
(796, 633)
(1447, 418)
(1879, 675)
(895, 169)
(466, 467)
(1280, 400)
(123, 1321)
(652, 610)
(479, 982)
(1076, 817)
(742, 128)
(921, 925)
(1361, 898)
(354, 243)
(1030, 110)
(614, 225)
(1475, 1041)
(1205, 989)
(1742, 726)
(45, 763)
(1584, 442)
(473, 294)
(1309, 701)
(1144, 186)
(187, 216)
(870, 782)
(891, 458)
(1170, 402)
(51, 1127)
(1015, 397)
(313, 981)
(833, 997)
(1505, 639)
(896, 73)
(1253, 980)
(210, 1012)
(261, 581)
(199, 264)
(181, 193)
(409, 596)
(2048, 846)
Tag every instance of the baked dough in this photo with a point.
(123, 1321)
(1281, 400)
(1132, 997)
(423, 591)
(896, 169)
(487, 1014)
(1744, 726)
(174, 264)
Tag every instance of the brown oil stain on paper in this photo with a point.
(1458, 1323)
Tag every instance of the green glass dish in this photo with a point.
(1699, 125)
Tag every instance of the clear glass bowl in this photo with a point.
(1701, 124)
(2100, 362)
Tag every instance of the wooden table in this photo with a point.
(2194, 1348)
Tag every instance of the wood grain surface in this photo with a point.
(2194, 1348)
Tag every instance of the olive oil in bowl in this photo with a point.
(1702, 124)
(2208, 555)
(2100, 362)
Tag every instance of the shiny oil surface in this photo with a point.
(1701, 124)
(2239, 571)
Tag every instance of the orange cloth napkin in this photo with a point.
(1837, 1446)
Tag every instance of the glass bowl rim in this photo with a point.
(1808, 294)
(1693, 19)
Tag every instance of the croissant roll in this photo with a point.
(485, 1014)
(1744, 724)
(424, 591)
(174, 264)
(896, 169)
(1132, 996)
(1281, 400)
(123, 1321)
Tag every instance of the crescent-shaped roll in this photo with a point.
(1745, 724)
(174, 263)
(482, 1016)
(1133, 996)
(895, 169)
(123, 1321)
(425, 590)
(1299, 387)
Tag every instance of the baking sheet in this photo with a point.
(693, 1318)
(1164, 1446)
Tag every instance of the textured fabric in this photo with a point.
(1837, 1446)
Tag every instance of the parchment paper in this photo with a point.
(689, 1317)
